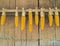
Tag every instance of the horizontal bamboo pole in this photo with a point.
(27, 10)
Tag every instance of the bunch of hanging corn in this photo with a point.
(36, 17)
(16, 17)
(56, 17)
(3, 17)
(50, 17)
(30, 20)
(23, 20)
(42, 19)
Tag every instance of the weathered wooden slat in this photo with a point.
(26, 3)
(29, 35)
(12, 4)
(24, 43)
(4, 4)
(49, 32)
(23, 34)
(46, 3)
(32, 43)
(5, 43)
(46, 43)
(18, 43)
(1, 42)
(58, 3)
(18, 31)
(10, 42)
(11, 27)
(1, 4)
(57, 33)
(35, 31)
(56, 43)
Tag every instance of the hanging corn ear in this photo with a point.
(30, 21)
(16, 18)
(42, 20)
(16, 21)
(56, 17)
(50, 17)
(36, 17)
(3, 18)
(23, 19)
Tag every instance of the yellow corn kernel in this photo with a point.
(16, 21)
(50, 17)
(23, 20)
(36, 19)
(57, 20)
(30, 21)
(42, 22)
(3, 18)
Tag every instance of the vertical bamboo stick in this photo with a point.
(50, 17)
(16, 17)
(3, 19)
(0, 20)
(23, 20)
(42, 20)
(36, 17)
(30, 20)
(56, 17)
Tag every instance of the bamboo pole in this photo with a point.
(27, 10)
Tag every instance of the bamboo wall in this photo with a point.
(12, 36)
(29, 3)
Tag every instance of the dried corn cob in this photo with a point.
(16, 17)
(56, 17)
(36, 17)
(3, 18)
(42, 20)
(30, 20)
(50, 17)
(23, 20)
